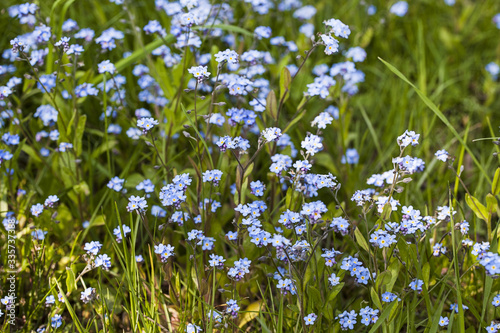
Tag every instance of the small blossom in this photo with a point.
(146, 124)
(310, 319)
(106, 67)
(442, 155)
(199, 72)
(443, 321)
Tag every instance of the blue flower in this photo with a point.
(37, 209)
(51, 201)
(93, 247)
(347, 320)
(118, 232)
(310, 319)
(217, 119)
(442, 155)
(4, 92)
(257, 188)
(154, 27)
(416, 285)
(271, 134)
(103, 260)
(496, 300)
(228, 55)
(493, 69)
(496, 20)
(146, 185)
(5, 155)
(286, 286)
(334, 280)
(106, 67)
(136, 203)
(56, 321)
(340, 224)
(232, 308)
(116, 184)
(389, 297)
(146, 124)
(212, 176)
(69, 25)
(438, 249)
(323, 119)
(46, 82)
(85, 33)
(42, 33)
(338, 28)
(192, 328)
(454, 307)
(493, 328)
(107, 38)
(369, 315)
(400, 8)
(216, 261)
(165, 251)
(312, 144)
(232, 235)
(407, 138)
(88, 295)
(331, 44)
(199, 72)
(443, 321)
(50, 300)
(241, 267)
(357, 54)
(38, 234)
(63, 146)
(351, 156)
(263, 32)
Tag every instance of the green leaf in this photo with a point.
(289, 194)
(394, 269)
(403, 250)
(335, 291)
(82, 188)
(31, 152)
(439, 114)
(314, 295)
(285, 79)
(250, 313)
(360, 239)
(375, 298)
(80, 129)
(495, 186)
(477, 207)
(70, 280)
(426, 272)
(272, 104)
(491, 204)
(383, 279)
